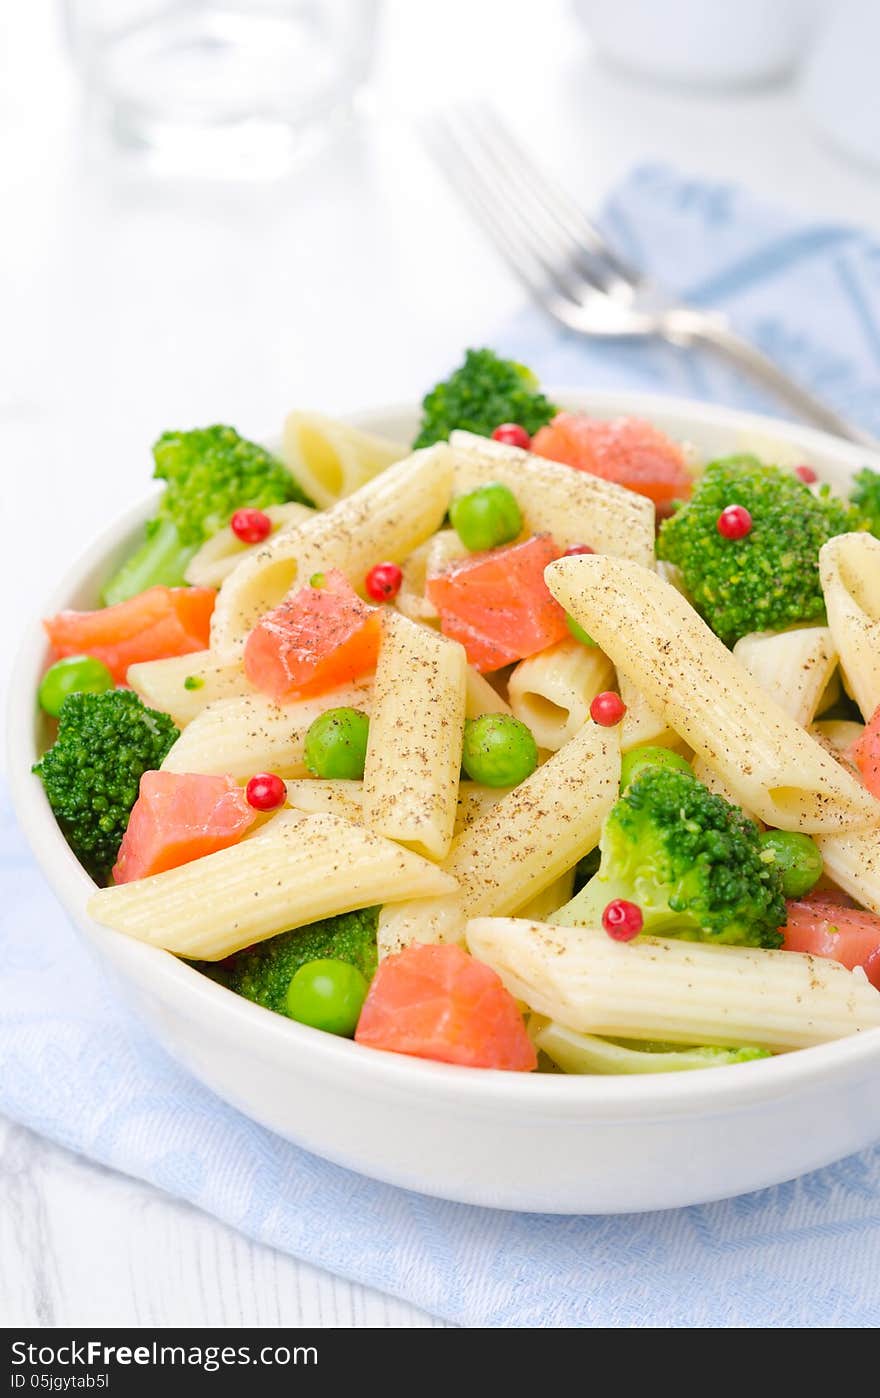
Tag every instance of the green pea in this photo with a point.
(578, 631)
(797, 858)
(76, 674)
(327, 995)
(637, 760)
(486, 517)
(498, 750)
(336, 744)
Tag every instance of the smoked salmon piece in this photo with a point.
(825, 928)
(154, 625)
(321, 637)
(626, 450)
(498, 605)
(178, 817)
(439, 1002)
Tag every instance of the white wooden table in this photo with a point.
(129, 308)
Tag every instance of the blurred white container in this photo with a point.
(702, 43)
(840, 85)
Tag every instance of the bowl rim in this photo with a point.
(190, 993)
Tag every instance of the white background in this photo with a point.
(128, 307)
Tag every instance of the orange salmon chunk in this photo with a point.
(628, 451)
(321, 637)
(439, 1002)
(178, 817)
(498, 605)
(154, 625)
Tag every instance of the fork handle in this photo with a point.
(695, 328)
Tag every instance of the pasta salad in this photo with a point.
(534, 744)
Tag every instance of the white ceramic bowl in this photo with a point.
(529, 1142)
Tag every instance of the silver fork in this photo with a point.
(568, 267)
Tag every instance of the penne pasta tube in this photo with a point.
(298, 870)
(793, 667)
(710, 778)
(679, 992)
(642, 723)
(849, 567)
(386, 519)
(586, 1053)
(853, 862)
(517, 847)
(183, 685)
(550, 899)
(237, 737)
(831, 695)
(221, 553)
(416, 730)
(332, 459)
(429, 558)
(335, 796)
(474, 799)
(573, 507)
(709, 698)
(481, 697)
(837, 734)
(411, 599)
(551, 692)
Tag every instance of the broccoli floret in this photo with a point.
(691, 861)
(262, 973)
(769, 579)
(865, 500)
(482, 393)
(92, 771)
(210, 472)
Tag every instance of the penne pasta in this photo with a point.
(332, 459)
(831, 695)
(849, 567)
(184, 685)
(794, 667)
(473, 800)
(674, 991)
(710, 778)
(337, 797)
(386, 519)
(519, 846)
(551, 692)
(574, 507)
(642, 723)
(238, 737)
(429, 558)
(411, 599)
(481, 697)
(221, 553)
(550, 899)
(416, 730)
(853, 862)
(837, 734)
(709, 698)
(298, 870)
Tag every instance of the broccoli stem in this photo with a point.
(585, 909)
(161, 560)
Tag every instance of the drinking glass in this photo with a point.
(220, 86)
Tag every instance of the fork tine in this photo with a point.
(520, 255)
(545, 266)
(532, 185)
(554, 251)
